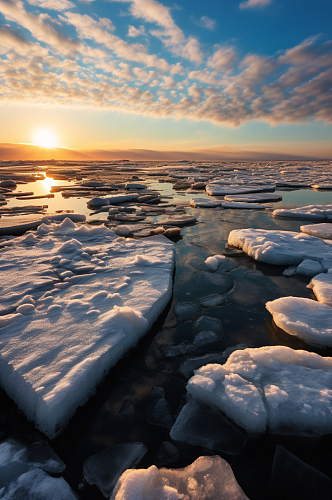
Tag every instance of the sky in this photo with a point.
(184, 76)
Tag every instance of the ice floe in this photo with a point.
(104, 468)
(275, 387)
(323, 230)
(254, 198)
(314, 212)
(57, 347)
(321, 285)
(305, 318)
(281, 247)
(203, 203)
(208, 478)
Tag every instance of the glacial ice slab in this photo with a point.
(307, 319)
(99, 296)
(285, 248)
(208, 478)
(274, 387)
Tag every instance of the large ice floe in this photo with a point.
(208, 478)
(314, 212)
(274, 387)
(281, 247)
(74, 300)
(304, 318)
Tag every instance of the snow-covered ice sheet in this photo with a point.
(321, 285)
(305, 318)
(323, 230)
(222, 189)
(288, 391)
(203, 203)
(74, 300)
(236, 205)
(309, 267)
(314, 212)
(208, 478)
(254, 198)
(280, 247)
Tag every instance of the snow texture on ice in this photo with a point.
(214, 262)
(314, 212)
(208, 478)
(288, 391)
(280, 247)
(304, 318)
(321, 285)
(54, 352)
(253, 198)
(323, 230)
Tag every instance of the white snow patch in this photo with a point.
(214, 262)
(305, 318)
(289, 391)
(323, 230)
(322, 288)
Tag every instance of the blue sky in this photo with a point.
(152, 74)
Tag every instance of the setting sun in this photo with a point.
(46, 138)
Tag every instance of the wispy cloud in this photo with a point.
(133, 32)
(254, 3)
(206, 22)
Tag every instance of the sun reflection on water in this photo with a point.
(47, 183)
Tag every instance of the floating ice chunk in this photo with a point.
(222, 190)
(38, 454)
(315, 212)
(212, 300)
(237, 205)
(219, 435)
(309, 267)
(121, 198)
(253, 198)
(203, 203)
(180, 221)
(135, 185)
(305, 318)
(32, 484)
(104, 468)
(289, 391)
(98, 202)
(214, 262)
(290, 271)
(280, 247)
(291, 478)
(186, 310)
(322, 288)
(208, 478)
(206, 337)
(323, 230)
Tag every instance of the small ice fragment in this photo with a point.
(122, 230)
(201, 425)
(290, 271)
(206, 337)
(212, 300)
(104, 468)
(309, 267)
(214, 262)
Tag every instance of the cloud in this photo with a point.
(207, 23)
(133, 32)
(171, 35)
(52, 4)
(223, 59)
(254, 3)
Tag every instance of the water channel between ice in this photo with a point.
(247, 285)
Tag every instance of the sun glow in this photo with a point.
(46, 138)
